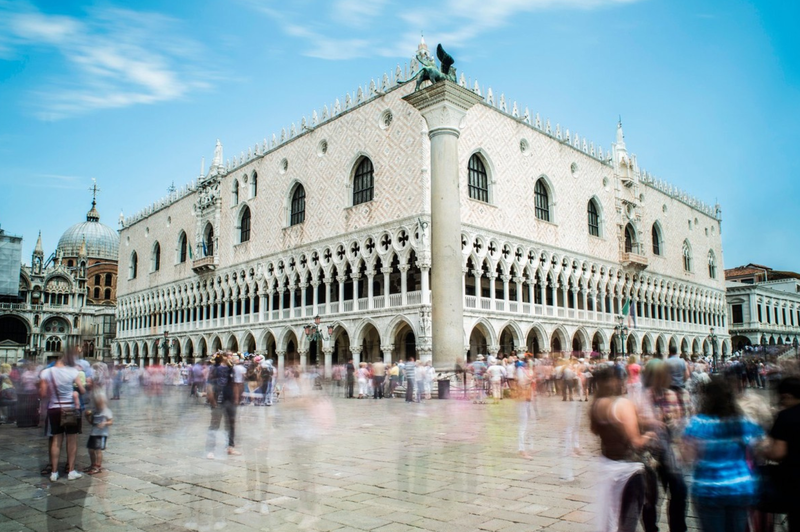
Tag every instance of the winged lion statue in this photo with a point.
(428, 70)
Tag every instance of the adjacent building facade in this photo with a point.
(332, 218)
(763, 306)
(64, 301)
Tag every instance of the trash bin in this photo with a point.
(444, 388)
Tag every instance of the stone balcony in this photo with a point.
(633, 260)
(204, 264)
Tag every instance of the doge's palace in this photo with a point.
(332, 215)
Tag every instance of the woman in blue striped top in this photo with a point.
(717, 441)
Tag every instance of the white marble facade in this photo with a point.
(365, 269)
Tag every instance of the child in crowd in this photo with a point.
(100, 420)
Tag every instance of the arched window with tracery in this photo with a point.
(655, 234)
(478, 179)
(134, 266)
(594, 218)
(687, 256)
(363, 182)
(208, 241)
(244, 225)
(297, 214)
(156, 257)
(630, 239)
(53, 344)
(541, 200)
(182, 248)
(712, 265)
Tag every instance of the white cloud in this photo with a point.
(114, 58)
(369, 25)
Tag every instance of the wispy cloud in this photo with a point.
(453, 21)
(114, 57)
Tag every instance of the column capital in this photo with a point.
(387, 348)
(355, 350)
(388, 269)
(327, 351)
(443, 105)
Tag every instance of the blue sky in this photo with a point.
(134, 94)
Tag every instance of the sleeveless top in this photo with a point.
(614, 443)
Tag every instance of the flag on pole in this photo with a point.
(190, 253)
(205, 250)
(629, 310)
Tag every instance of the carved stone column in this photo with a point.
(370, 288)
(387, 272)
(327, 281)
(281, 363)
(443, 106)
(327, 352)
(404, 284)
(315, 297)
(356, 352)
(303, 287)
(387, 350)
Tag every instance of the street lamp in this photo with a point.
(314, 332)
(622, 331)
(795, 344)
(713, 339)
(166, 346)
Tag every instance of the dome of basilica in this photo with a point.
(102, 242)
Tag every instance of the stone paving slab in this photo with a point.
(313, 464)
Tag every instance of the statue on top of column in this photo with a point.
(428, 70)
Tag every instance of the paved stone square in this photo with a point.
(323, 463)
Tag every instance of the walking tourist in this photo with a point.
(378, 376)
(60, 386)
(717, 442)
(222, 402)
(622, 477)
(409, 372)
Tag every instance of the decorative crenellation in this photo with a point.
(680, 195)
(391, 81)
(166, 201)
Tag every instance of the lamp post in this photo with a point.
(795, 344)
(166, 346)
(314, 333)
(713, 339)
(622, 331)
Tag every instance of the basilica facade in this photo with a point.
(332, 218)
(66, 300)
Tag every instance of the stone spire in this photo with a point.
(93, 215)
(422, 48)
(39, 250)
(619, 147)
(37, 260)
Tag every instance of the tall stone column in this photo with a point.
(443, 105)
(328, 353)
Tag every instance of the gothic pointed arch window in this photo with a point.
(235, 193)
(630, 239)
(655, 234)
(254, 184)
(297, 212)
(541, 200)
(208, 241)
(687, 256)
(156, 265)
(244, 225)
(363, 182)
(134, 266)
(593, 214)
(182, 247)
(478, 179)
(712, 264)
